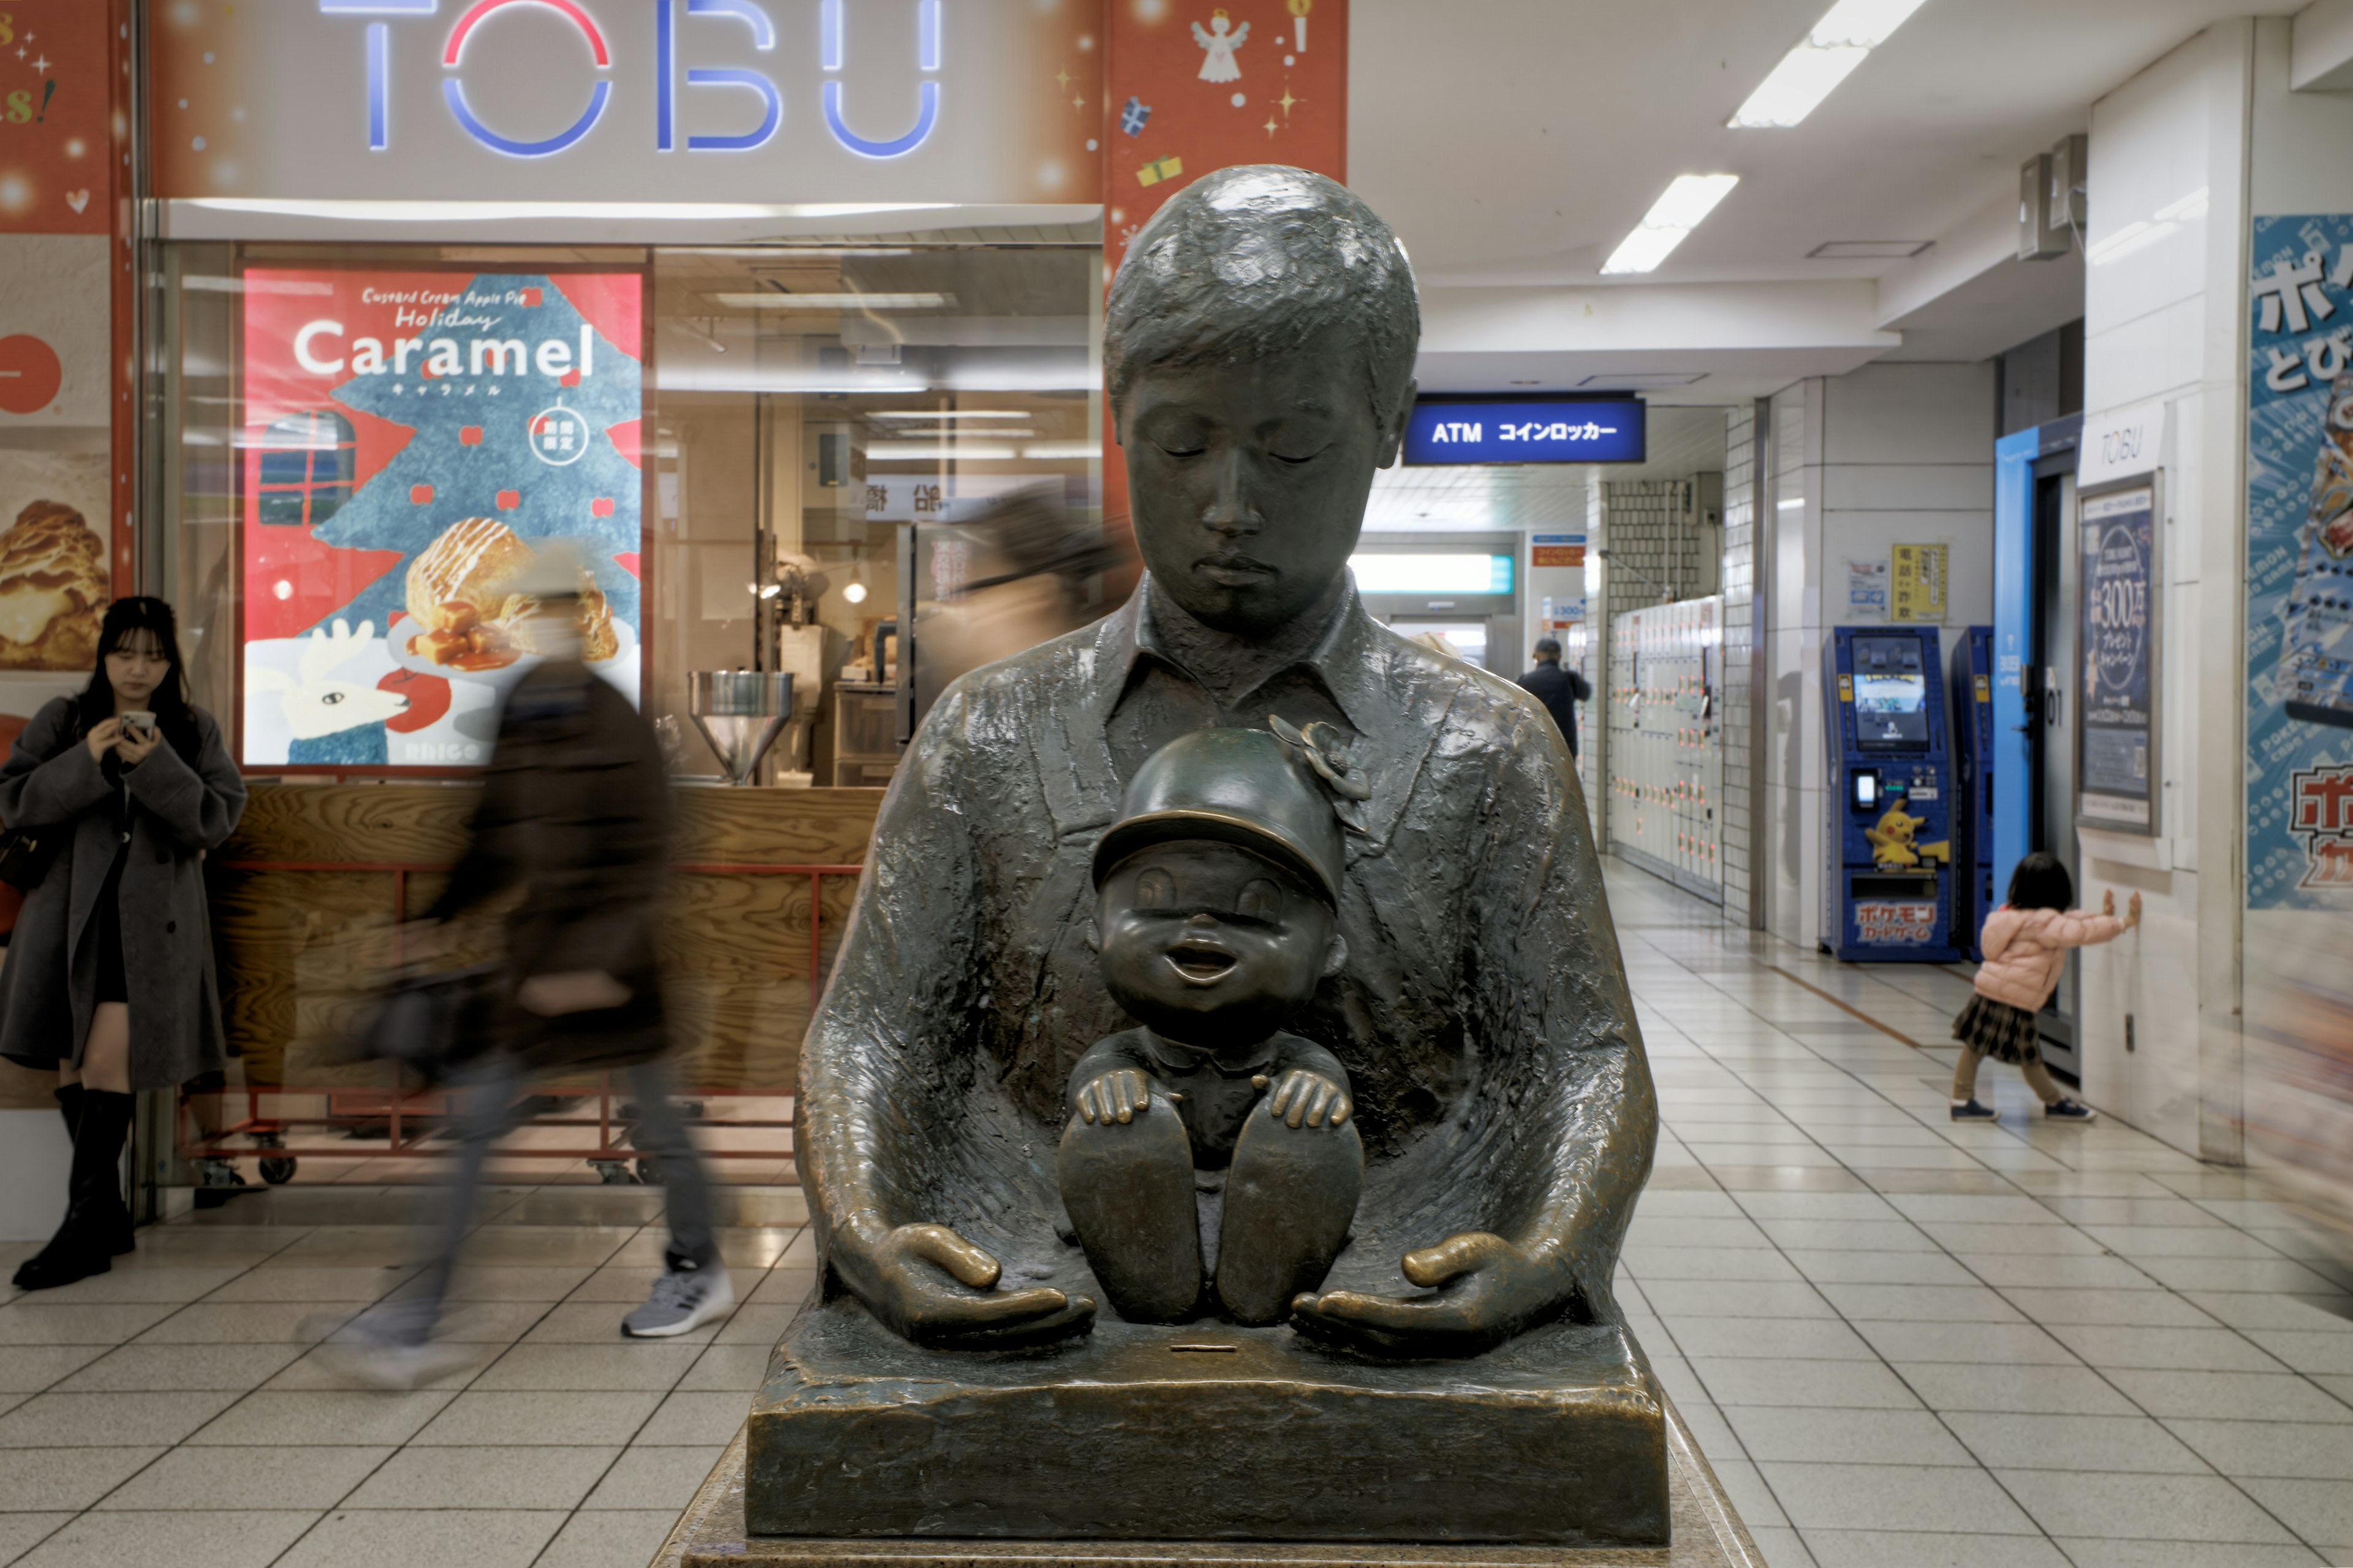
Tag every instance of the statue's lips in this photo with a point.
(1201, 963)
(1233, 571)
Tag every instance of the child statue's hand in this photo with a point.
(1309, 1099)
(2108, 902)
(2132, 912)
(1121, 1095)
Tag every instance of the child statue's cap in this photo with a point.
(1283, 795)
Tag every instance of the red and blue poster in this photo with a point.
(414, 442)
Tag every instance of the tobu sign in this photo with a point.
(669, 101)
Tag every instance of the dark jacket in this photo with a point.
(176, 811)
(1560, 691)
(575, 810)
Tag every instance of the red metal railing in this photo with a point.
(264, 1137)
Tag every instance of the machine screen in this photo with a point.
(1891, 694)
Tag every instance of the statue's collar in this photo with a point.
(1340, 657)
(1394, 694)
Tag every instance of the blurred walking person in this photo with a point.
(576, 812)
(110, 976)
(1559, 689)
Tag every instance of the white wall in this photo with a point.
(1887, 455)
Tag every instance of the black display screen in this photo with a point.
(1891, 694)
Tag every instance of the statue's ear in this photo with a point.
(1336, 955)
(1393, 436)
(1093, 935)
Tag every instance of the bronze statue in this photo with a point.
(1474, 1036)
(1208, 1148)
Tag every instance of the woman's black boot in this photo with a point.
(96, 1216)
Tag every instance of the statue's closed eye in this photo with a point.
(1156, 891)
(1260, 900)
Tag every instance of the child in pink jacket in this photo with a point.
(2025, 944)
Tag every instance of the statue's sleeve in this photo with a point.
(878, 1064)
(1570, 1117)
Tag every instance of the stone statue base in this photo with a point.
(710, 1534)
(1206, 1432)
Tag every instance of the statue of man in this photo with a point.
(1260, 343)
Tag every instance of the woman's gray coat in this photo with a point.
(49, 982)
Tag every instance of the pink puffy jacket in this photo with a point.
(2025, 948)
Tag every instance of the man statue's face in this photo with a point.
(1248, 481)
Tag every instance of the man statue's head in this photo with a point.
(1260, 343)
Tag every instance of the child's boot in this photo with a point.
(1290, 1199)
(1128, 1187)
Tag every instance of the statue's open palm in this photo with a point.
(1488, 1289)
(931, 1285)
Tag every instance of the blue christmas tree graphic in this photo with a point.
(500, 437)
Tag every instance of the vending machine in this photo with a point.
(1973, 754)
(1888, 886)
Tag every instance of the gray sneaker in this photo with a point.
(683, 1301)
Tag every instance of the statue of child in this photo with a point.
(1211, 1158)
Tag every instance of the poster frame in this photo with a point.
(431, 258)
(2086, 815)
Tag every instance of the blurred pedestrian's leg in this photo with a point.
(694, 1289)
(391, 1344)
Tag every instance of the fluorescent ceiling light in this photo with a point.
(1672, 216)
(935, 452)
(493, 212)
(954, 414)
(1811, 72)
(1062, 451)
(1865, 24)
(765, 301)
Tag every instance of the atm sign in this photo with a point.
(1899, 924)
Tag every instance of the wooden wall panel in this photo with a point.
(300, 949)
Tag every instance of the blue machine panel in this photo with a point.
(1973, 752)
(1889, 885)
(1545, 430)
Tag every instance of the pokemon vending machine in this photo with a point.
(1888, 889)
(1973, 754)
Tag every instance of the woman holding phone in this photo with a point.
(109, 976)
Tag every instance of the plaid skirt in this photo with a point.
(1998, 1030)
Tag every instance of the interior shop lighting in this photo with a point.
(1810, 73)
(506, 212)
(935, 452)
(1670, 220)
(1062, 451)
(837, 301)
(926, 415)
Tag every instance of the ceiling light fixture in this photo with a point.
(836, 301)
(1671, 218)
(927, 416)
(1808, 74)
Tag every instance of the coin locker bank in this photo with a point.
(1888, 889)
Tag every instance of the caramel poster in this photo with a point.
(413, 441)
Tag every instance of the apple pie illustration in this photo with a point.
(461, 592)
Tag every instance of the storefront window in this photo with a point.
(360, 450)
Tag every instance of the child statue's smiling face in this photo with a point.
(1210, 945)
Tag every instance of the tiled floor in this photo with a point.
(180, 1412)
(1902, 1342)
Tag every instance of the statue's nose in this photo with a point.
(1229, 511)
(1204, 917)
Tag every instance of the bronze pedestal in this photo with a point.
(1205, 1431)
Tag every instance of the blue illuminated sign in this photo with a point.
(1606, 430)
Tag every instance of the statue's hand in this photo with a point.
(1309, 1099)
(1121, 1095)
(931, 1285)
(1488, 1289)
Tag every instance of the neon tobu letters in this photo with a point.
(676, 39)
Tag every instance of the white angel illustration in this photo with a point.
(1218, 44)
